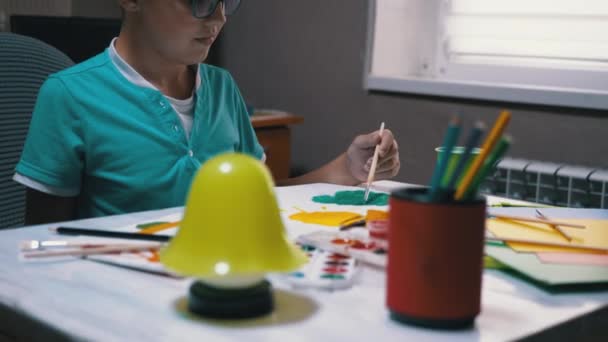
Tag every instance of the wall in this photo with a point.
(41, 7)
(307, 57)
(96, 8)
(83, 8)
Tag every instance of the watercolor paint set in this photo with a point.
(324, 270)
(354, 244)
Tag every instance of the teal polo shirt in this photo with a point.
(120, 146)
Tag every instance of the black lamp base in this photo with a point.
(216, 302)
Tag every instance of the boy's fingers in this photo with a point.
(388, 165)
(366, 141)
(386, 143)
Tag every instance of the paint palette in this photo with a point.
(358, 246)
(326, 270)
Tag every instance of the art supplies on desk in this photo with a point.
(110, 234)
(134, 247)
(81, 251)
(541, 237)
(548, 274)
(324, 270)
(354, 244)
(472, 178)
(449, 141)
(578, 262)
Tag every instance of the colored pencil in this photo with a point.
(554, 226)
(372, 169)
(471, 143)
(110, 234)
(159, 227)
(487, 146)
(538, 220)
(495, 156)
(450, 139)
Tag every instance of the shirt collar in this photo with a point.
(132, 75)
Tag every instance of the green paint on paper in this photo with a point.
(353, 198)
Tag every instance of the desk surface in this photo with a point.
(89, 300)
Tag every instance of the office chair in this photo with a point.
(25, 63)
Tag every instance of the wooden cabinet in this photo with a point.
(273, 129)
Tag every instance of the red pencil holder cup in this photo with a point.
(435, 259)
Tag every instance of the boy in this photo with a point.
(127, 129)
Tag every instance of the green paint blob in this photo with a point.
(353, 198)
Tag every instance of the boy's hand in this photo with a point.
(361, 150)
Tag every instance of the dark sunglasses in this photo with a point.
(204, 8)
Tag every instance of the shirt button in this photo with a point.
(162, 104)
(190, 153)
(175, 128)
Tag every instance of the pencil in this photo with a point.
(110, 234)
(537, 220)
(489, 165)
(472, 141)
(372, 169)
(487, 146)
(448, 144)
(554, 226)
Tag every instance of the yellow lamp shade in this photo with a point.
(231, 226)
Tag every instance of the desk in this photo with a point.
(274, 134)
(86, 300)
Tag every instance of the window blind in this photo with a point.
(547, 52)
(541, 33)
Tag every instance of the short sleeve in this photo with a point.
(248, 141)
(53, 151)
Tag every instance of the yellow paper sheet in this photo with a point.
(326, 218)
(594, 235)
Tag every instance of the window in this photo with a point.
(552, 52)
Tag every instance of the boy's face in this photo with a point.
(168, 27)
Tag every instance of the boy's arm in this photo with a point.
(352, 166)
(334, 172)
(51, 162)
(44, 208)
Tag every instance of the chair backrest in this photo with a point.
(25, 63)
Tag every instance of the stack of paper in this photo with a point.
(583, 260)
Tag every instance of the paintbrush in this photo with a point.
(110, 234)
(372, 169)
(115, 248)
(35, 245)
(537, 220)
